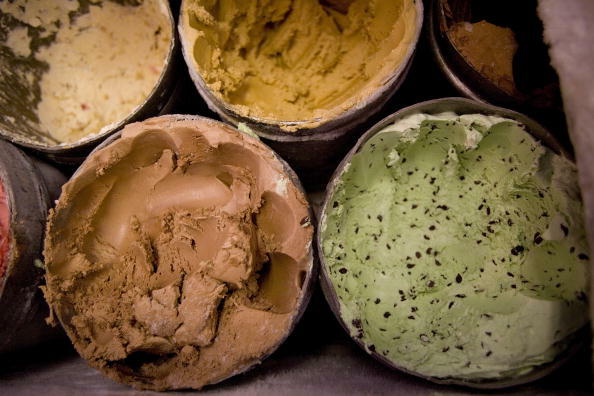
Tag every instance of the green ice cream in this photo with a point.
(456, 248)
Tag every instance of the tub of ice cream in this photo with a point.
(179, 254)
(27, 191)
(453, 247)
(495, 53)
(302, 74)
(76, 71)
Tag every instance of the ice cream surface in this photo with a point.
(176, 256)
(103, 59)
(455, 246)
(490, 49)
(4, 231)
(297, 60)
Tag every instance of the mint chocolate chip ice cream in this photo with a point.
(456, 249)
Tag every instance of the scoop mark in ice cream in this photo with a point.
(294, 60)
(172, 260)
(483, 279)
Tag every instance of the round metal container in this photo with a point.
(465, 78)
(31, 188)
(312, 272)
(307, 148)
(436, 106)
(18, 118)
(470, 83)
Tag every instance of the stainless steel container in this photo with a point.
(31, 187)
(308, 149)
(309, 278)
(458, 106)
(537, 95)
(18, 119)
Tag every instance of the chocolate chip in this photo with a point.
(517, 250)
(564, 229)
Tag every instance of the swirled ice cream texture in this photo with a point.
(293, 60)
(456, 248)
(173, 259)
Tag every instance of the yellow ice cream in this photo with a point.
(297, 60)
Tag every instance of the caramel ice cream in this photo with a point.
(297, 60)
(178, 255)
(490, 49)
(102, 60)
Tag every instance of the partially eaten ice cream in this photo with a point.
(297, 60)
(103, 59)
(179, 255)
(455, 246)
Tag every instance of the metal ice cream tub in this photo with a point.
(30, 188)
(29, 44)
(458, 106)
(308, 144)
